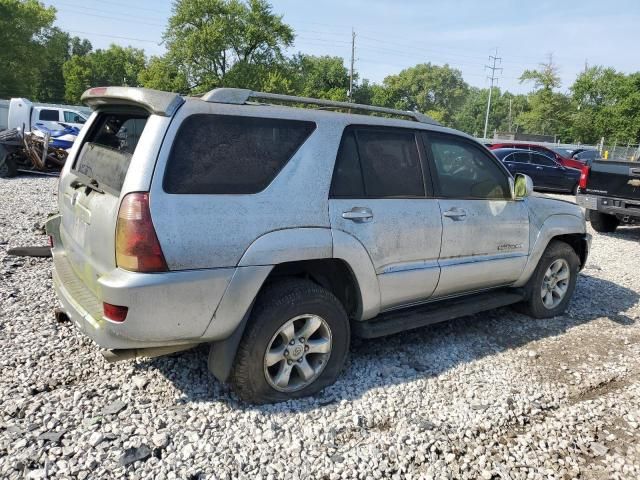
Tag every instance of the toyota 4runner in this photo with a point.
(274, 233)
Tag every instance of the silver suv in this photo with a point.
(275, 232)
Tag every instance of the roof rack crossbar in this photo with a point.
(241, 96)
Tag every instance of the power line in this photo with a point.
(115, 36)
(353, 53)
(119, 4)
(108, 12)
(493, 68)
(139, 22)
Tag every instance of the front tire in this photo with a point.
(295, 344)
(551, 287)
(603, 222)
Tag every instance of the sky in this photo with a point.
(393, 35)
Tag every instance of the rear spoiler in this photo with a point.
(154, 101)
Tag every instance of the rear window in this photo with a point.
(49, 115)
(107, 151)
(221, 154)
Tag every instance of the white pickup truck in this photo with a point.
(22, 112)
(19, 112)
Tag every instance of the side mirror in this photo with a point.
(522, 186)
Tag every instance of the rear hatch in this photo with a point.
(615, 179)
(115, 154)
(90, 191)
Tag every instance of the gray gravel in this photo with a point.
(496, 395)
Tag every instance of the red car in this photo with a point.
(566, 161)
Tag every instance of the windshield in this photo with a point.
(562, 151)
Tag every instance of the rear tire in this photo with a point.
(552, 284)
(277, 358)
(603, 222)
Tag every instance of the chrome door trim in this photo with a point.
(448, 262)
(407, 266)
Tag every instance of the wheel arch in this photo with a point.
(333, 259)
(567, 228)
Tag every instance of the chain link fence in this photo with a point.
(621, 153)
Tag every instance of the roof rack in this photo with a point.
(240, 96)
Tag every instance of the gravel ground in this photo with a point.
(496, 395)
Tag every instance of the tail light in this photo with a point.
(115, 313)
(584, 175)
(137, 246)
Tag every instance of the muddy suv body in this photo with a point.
(274, 232)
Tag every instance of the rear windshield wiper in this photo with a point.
(91, 185)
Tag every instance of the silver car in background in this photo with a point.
(275, 232)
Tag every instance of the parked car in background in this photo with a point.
(610, 192)
(547, 174)
(562, 159)
(585, 155)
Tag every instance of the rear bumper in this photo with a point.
(170, 308)
(610, 205)
(164, 309)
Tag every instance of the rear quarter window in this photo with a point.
(223, 154)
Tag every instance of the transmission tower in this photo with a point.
(493, 59)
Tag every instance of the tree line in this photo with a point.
(242, 43)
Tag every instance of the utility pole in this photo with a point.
(353, 54)
(510, 102)
(493, 59)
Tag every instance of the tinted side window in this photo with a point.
(390, 163)
(49, 115)
(539, 159)
(465, 171)
(520, 157)
(347, 175)
(218, 154)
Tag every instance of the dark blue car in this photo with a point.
(546, 173)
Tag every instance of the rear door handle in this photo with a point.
(455, 214)
(358, 214)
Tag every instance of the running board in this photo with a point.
(434, 312)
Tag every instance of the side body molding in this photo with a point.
(346, 247)
(539, 238)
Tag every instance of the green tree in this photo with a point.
(115, 65)
(319, 77)
(163, 74)
(23, 24)
(607, 104)
(438, 91)
(549, 111)
(209, 39)
(80, 46)
(59, 46)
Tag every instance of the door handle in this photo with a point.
(455, 214)
(358, 214)
(538, 168)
